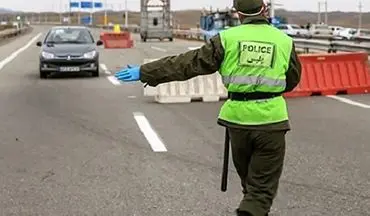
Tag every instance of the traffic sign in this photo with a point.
(86, 4)
(74, 4)
(98, 5)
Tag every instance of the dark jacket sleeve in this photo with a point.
(293, 74)
(202, 61)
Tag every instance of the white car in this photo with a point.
(336, 30)
(346, 34)
(321, 29)
(294, 30)
(363, 33)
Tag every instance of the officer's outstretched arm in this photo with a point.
(202, 61)
(293, 74)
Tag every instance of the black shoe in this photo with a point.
(242, 213)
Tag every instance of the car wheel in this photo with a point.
(43, 75)
(171, 39)
(95, 73)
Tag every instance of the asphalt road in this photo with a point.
(70, 145)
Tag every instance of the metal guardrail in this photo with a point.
(324, 43)
(7, 33)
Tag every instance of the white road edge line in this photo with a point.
(150, 135)
(158, 48)
(348, 101)
(113, 80)
(17, 52)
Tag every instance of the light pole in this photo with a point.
(91, 12)
(105, 13)
(272, 8)
(360, 15)
(69, 12)
(126, 15)
(60, 11)
(319, 11)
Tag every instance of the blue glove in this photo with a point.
(129, 74)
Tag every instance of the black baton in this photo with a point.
(225, 168)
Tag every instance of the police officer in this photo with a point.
(258, 63)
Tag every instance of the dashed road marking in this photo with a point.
(105, 69)
(17, 52)
(194, 48)
(348, 101)
(113, 80)
(158, 48)
(149, 133)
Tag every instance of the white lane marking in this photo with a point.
(132, 96)
(17, 52)
(348, 101)
(194, 48)
(113, 80)
(158, 48)
(105, 69)
(150, 135)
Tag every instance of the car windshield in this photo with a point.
(296, 27)
(352, 31)
(69, 35)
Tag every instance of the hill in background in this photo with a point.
(190, 18)
(5, 10)
(346, 19)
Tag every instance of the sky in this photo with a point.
(307, 5)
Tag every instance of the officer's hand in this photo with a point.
(129, 74)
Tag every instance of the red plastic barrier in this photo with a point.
(102, 36)
(331, 74)
(117, 40)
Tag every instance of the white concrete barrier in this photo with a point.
(207, 88)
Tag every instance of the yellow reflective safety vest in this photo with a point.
(256, 60)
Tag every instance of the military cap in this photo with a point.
(248, 6)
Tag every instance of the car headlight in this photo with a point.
(47, 55)
(90, 55)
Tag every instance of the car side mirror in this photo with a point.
(99, 43)
(39, 44)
